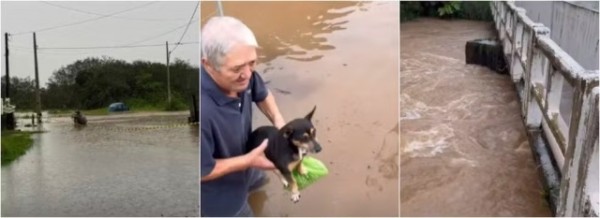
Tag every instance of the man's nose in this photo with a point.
(246, 72)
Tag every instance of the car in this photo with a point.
(118, 107)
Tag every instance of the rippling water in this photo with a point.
(123, 165)
(342, 57)
(464, 149)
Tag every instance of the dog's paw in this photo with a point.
(285, 183)
(295, 197)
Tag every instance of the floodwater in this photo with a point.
(117, 165)
(342, 57)
(464, 148)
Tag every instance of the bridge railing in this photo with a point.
(558, 96)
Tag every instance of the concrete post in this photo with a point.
(534, 82)
(580, 171)
(516, 67)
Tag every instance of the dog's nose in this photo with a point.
(317, 149)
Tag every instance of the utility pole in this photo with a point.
(168, 77)
(8, 110)
(7, 91)
(38, 100)
(220, 6)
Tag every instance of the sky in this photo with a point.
(95, 24)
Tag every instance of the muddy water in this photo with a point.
(464, 150)
(122, 165)
(342, 57)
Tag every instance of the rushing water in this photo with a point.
(464, 149)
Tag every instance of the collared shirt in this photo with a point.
(225, 127)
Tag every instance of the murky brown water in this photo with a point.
(122, 165)
(342, 57)
(464, 149)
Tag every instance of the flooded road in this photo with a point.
(118, 165)
(342, 57)
(464, 149)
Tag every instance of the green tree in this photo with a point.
(94, 83)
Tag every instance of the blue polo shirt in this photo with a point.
(225, 127)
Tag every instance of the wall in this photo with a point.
(573, 26)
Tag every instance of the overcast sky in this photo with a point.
(86, 24)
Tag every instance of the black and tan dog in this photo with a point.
(287, 146)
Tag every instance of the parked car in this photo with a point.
(118, 107)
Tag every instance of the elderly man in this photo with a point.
(229, 85)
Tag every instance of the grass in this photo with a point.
(133, 109)
(66, 113)
(14, 145)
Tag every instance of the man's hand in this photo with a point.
(257, 158)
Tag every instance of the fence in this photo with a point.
(559, 97)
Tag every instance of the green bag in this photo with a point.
(315, 170)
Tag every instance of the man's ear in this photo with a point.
(205, 63)
(209, 66)
(310, 115)
(287, 132)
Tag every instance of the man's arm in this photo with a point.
(227, 166)
(254, 158)
(269, 108)
(265, 101)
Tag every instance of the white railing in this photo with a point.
(550, 76)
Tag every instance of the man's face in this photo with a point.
(235, 73)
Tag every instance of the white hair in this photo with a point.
(220, 34)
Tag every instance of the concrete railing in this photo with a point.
(558, 96)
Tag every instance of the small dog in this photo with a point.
(287, 146)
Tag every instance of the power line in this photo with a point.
(23, 50)
(84, 21)
(98, 14)
(160, 34)
(187, 27)
(78, 51)
(112, 47)
(21, 47)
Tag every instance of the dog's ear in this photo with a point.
(310, 115)
(287, 132)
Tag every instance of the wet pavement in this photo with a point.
(117, 165)
(464, 148)
(342, 57)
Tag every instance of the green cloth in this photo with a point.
(315, 170)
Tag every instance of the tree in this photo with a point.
(97, 82)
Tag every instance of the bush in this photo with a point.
(476, 11)
(449, 9)
(175, 105)
(410, 10)
(469, 10)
